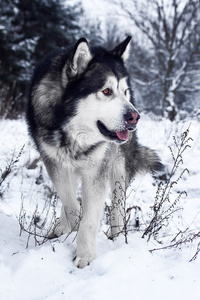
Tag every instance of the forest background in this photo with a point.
(165, 57)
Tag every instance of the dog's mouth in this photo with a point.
(120, 136)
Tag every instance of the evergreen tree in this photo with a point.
(29, 30)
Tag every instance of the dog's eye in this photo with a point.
(107, 92)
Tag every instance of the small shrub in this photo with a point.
(9, 168)
(120, 204)
(164, 207)
(35, 226)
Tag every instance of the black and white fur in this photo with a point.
(82, 118)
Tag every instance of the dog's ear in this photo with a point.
(122, 50)
(81, 57)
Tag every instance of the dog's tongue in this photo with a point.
(122, 135)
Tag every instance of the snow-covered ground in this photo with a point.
(121, 271)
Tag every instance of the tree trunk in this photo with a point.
(170, 110)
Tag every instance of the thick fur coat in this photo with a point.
(82, 117)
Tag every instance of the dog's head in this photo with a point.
(98, 82)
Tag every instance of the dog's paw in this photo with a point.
(58, 230)
(82, 262)
(113, 234)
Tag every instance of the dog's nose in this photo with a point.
(131, 117)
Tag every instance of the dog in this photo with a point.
(82, 118)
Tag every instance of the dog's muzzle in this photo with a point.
(130, 120)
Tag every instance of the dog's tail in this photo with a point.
(150, 160)
(144, 160)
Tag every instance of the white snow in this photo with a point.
(121, 271)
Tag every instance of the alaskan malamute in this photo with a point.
(82, 118)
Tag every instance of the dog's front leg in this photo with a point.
(93, 197)
(118, 190)
(117, 213)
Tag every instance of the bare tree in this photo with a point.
(113, 34)
(171, 33)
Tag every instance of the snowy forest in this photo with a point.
(157, 254)
(165, 56)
